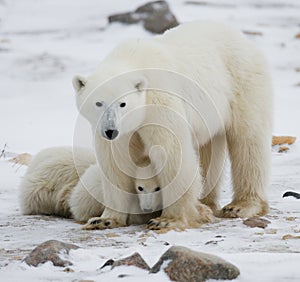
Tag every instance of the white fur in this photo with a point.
(86, 199)
(51, 178)
(207, 89)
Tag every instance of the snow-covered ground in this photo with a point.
(42, 45)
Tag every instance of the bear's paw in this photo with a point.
(244, 209)
(99, 223)
(161, 223)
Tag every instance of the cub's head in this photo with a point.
(114, 105)
(149, 194)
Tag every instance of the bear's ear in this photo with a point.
(140, 84)
(79, 82)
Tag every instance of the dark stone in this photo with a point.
(127, 18)
(156, 17)
(256, 222)
(159, 22)
(152, 7)
(110, 262)
(49, 251)
(134, 260)
(184, 264)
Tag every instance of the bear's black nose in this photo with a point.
(111, 134)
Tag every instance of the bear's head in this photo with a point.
(113, 104)
(149, 194)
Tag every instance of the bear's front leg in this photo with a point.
(118, 205)
(180, 199)
(180, 215)
(177, 171)
(205, 215)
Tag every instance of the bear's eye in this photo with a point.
(140, 188)
(99, 104)
(122, 105)
(157, 189)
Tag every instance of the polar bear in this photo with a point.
(190, 95)
(50, 179)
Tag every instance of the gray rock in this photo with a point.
(133, 260)
(155, 16)
(152, 7)
(126, 18)
(183, 264)
(50, 251)
(159, 22)
(256, 222)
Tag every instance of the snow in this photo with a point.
(43, 44)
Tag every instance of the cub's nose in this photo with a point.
(111, 134)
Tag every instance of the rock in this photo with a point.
(289, 236)
(283, 149)
(256, 222)
(127, 18)
(256, 33)
(50, 251)
(134, 260)
(280, 140)
(160, 21)
(68, 269)
(152, 7)
(183, 264)
(155, 16)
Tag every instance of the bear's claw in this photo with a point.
(163, 222)
(244, 209)
(98, 223)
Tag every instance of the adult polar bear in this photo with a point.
(203, 83)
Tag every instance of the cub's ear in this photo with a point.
(141, 84)
(79, 82)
